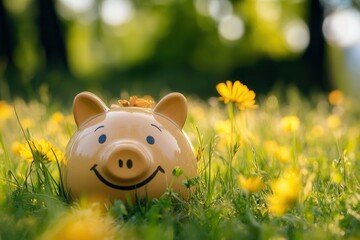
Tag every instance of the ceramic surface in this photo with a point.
(123, 152)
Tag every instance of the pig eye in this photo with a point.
(102, 138)
(150, 139)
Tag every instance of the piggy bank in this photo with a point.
(128, 153)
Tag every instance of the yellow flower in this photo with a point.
(271, 147)
(336, 177)
(6, 110)
(288, 187)
(52, 128)
(277, 205)
(15, 147)
(283, 154)
(223, 127)
(290, 123)
(82, 224)
(317, 131)
(135, 101)
(336, 97)
(57, 117)
(251, 184)
(285, 193)
(333, 121)
(237, 93)
(42, 149)
(54, 124)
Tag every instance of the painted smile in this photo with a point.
(130, 187)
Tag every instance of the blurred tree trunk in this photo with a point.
(7, 46)
(51, 35)
(5, 41)
(314, 56)
(52, 43)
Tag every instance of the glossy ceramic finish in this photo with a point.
(126, 151)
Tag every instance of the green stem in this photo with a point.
(294, 149)
(231, 147)
(8, 164)
(209, 193)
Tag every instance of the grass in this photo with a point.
(308, 165)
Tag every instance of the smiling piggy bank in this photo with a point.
(128, 152)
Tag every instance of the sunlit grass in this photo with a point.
(288, 169)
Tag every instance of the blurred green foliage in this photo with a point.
(66, 46)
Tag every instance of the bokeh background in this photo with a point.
(60, 47)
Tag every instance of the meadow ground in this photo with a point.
(289, 169)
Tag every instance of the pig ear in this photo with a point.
(174, 107)
(86, 105)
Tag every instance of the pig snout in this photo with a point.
(126, 161)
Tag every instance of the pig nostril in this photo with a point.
(129, 163)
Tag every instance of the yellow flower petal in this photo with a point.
(290, 123)
(251, 184)
(135, 101)
(6, 110)
(236, 89)
(237, 93)
(285, 193)
(43, 149)
(277, 205)
(223, 91)
(333, 121)
(57, 117)
(336, 97)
